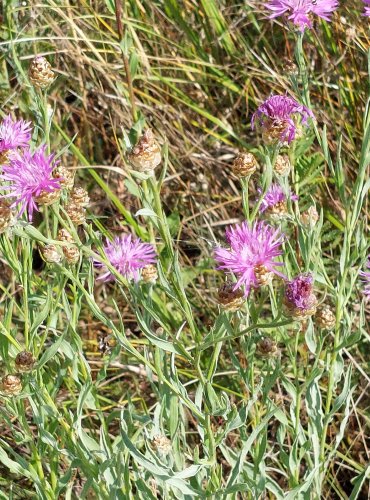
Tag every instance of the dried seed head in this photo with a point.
(11, 385)
(267, 347)
(79, 196)
(146, 155)
(310, 217)
(6, 215)
(24, 361)
(230, 299)
(76, 213)
(325, 318)
(48, 197)
(245, 164)
(289, 67)
(162, 444)
(263, 275)
(50, 254)
(282, 165)
(40, 73)
(149, 273)
(71, 254)
(65, 176)
(64, 235)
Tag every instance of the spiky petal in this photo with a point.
(251, 250)
(367, 8)
(27, 176)
(300, 11)
(14, 134)
(127, 255)
(277, 115)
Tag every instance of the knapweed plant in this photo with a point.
(184, 249)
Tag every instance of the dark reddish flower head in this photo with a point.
(300, 11)
(300, 299)
(278, 115)
(27, 176)
(251, 254)
(128, 255)
(14, 134)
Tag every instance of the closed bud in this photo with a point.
(230, 299)
(245, 164)
(290, 67)
(71, 254)
(50, 253)
(48, 197)
(65, 176)
(149, 273)
(282, 165)
(267, 347)
(79, 196)
(325, 318)
(146, 155)
(11, 385)
(162, 444)
(24, 361)
(40, 73)
(310, 217)
(6, 216)
(64, 235)
(76, 213)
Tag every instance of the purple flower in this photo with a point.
(367, 8)
(366, 280)
(251, 254)
(299, 11)
(29, 175)
(14, 134)
(275, 199)
(300, 299)
(127, 255)
(276, 114)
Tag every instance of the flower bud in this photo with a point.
(64, 235)
(65, 176)
(71, 254)
(76, 213)
(24, 361)
(146, 155)
(267, 347)
(310, 217)
(149, 273)
(282, 165)
(290, 67)
(48, 197)
(245, 164)
(6, 216)
(79, 196)
(50, 254)
(11, 385)
(229, 299)
(40, 73)
(162, 444)
(325, 318)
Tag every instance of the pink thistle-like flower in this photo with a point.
(367, 8)
(275, 199)
(14, 134)
(299, 11)
(300, 300)
(28, 176)
(365, 275)
(251, 254)
(127, 255)
(275, 115)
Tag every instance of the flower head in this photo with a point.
(14, 134)
(29, 175)
(366, 280)
(367, 8)
(299, 11)
(300, 300)
(275, 200)
(127, 255)
(251, 254)
(275, 115)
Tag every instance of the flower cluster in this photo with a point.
(300, 11)
(277, 117)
